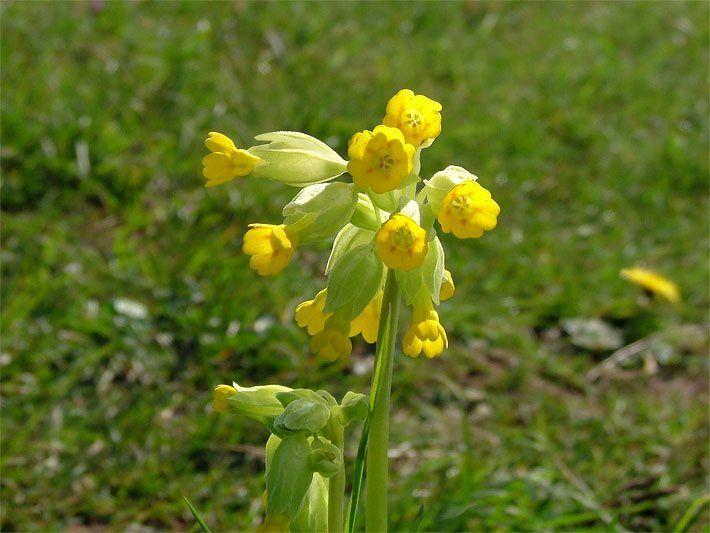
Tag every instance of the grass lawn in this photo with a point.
(126, 299)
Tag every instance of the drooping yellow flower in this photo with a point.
(468, 210)
(332, 341)
(310, 314)
(653, 282)
(401, 243)
(226, 160)
(416, 116)
(447, 287)
(368, 322)
(221, 396)
(379, 159)
(425, 332)
(270, 247)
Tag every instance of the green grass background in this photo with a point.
(587, 120)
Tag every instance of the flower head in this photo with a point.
(468, 210)
(447, 287)
(655, 283)
(332, 341)
(270, 247)
(401, 243)
(310, 314)
(226, 160)
(379, 159)
(425, 332)
(368, 322)
(416, 116)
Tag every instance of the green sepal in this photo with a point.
(354, 281)
(347, 238)
(429, 275)
(319, 211)
(328, 397)
(289, 476)
(314, 513)
(365, 214)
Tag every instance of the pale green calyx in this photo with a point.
(349, 237)
(442, 182)
(258, 403)
(367, 215)
(318, 211)
(296, 159)
(354, 281)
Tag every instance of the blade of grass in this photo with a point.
(691, 514)
(197, 516)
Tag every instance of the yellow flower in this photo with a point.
(417, 116)
(655, 283)
(221, 396)
(226, 160)
(310, 314)
(270, 247)
(368, 322)
(447, 287)
(425, 333)
(468, 210)
(332, 341)
(379, 159)
(401, 243)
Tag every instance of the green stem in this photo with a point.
(376, 478)
(336, 486)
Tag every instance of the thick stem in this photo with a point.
(376, 477)
(336, 486)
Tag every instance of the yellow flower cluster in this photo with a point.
(383, 219)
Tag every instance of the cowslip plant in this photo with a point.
(383, 222)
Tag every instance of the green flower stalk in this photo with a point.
(385, 252)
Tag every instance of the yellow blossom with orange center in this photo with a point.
(401, 243)
(379, 159)
(468, 210)
(416, 116)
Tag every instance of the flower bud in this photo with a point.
(258, 403)
(296, 159)
(303, 415)
(326, 458)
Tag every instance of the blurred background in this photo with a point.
(126, 299)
